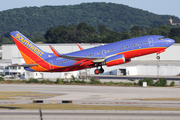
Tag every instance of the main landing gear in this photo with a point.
(99, 71)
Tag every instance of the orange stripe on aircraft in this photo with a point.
(30, 61)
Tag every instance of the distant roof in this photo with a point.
(5, 61)
(153, 63)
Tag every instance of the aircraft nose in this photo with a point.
(170, 41)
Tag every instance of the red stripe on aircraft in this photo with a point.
(140, 52)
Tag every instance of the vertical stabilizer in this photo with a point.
(30, 52)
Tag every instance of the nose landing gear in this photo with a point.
(99, 71)
(158, 57)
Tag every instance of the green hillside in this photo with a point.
(35, 21)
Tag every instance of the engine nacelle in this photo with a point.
(115, 60)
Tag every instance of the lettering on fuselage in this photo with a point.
(29, 44)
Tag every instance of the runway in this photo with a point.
(88, 115)
(95, 95)
(135, 77)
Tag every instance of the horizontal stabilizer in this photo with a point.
(24, 65)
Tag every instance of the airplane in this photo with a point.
(111, 54)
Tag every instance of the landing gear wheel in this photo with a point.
(96, 71)
(101, 70)
(158, 57)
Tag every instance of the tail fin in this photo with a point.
(29, 51)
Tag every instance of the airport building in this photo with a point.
(148, 65)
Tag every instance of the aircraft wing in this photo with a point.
(77, 58)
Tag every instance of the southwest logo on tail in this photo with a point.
(111, 54)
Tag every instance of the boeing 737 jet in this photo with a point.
(111, 54)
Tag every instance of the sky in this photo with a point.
(161, 7)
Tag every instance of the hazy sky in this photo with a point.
(163, 7)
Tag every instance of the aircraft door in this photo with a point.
(150, 40)
(51, 67)
(103, 52)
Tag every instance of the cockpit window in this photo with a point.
(161, 38)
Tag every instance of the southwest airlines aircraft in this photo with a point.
(110, 54)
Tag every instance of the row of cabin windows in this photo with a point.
(106, 51)
(63, 61)
(101, 52)
(119, 49)
(133, 45)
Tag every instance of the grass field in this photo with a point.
(15, 95)
(80, 107)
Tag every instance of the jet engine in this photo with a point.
(115, 60)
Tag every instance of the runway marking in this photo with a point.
(125, 103)
(7, 102)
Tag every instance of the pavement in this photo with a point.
(107, 95)
(94, 95)
(88, 115)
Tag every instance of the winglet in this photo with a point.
(55, 51)
(80, 47)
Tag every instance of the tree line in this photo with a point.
(84, 33)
